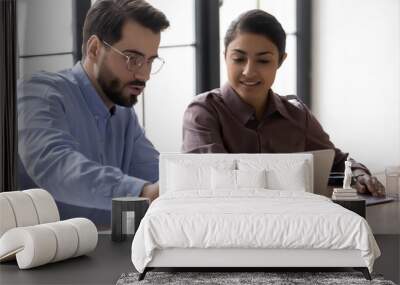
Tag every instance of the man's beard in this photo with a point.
(112, 88)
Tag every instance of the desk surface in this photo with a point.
(110, 259)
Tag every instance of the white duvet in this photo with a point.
(250, 219)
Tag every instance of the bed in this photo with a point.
(246, 211)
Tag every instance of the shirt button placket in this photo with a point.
(101, 124)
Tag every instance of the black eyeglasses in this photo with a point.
(137, 61)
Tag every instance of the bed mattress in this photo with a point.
(250, 219)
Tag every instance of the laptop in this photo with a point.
(323, 161)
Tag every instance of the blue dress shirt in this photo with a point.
(73, 146)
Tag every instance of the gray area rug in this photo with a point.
(243, 278)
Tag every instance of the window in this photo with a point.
(42, 46)
(169, 92)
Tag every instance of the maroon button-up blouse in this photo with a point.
(219, 121)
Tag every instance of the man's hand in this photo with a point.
(150, 191)
(369, 184)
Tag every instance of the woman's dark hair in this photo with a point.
(107, 17)
(261, 23)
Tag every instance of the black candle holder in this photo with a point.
(123, 210)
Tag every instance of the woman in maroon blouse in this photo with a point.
(246, 116)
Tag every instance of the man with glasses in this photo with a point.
(79, 137)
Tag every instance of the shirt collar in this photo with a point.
(92, 98)
(275, 104)
(243, 111)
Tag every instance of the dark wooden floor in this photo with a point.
(106, 264)
(389, 262)
(384, 220)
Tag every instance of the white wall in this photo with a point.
(356, 77)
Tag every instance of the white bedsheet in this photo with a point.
(250, 219)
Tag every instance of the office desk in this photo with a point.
(110, 259)
(384, 218)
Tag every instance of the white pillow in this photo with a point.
(290, 175)
(187, 175)
(227, 179)
(223, 179)
(251, 178)
(294, 178)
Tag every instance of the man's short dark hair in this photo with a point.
(261, 23)
(106, 18)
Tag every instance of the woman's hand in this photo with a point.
(369, 184)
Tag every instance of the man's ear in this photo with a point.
(93, 47)
(284, 56)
